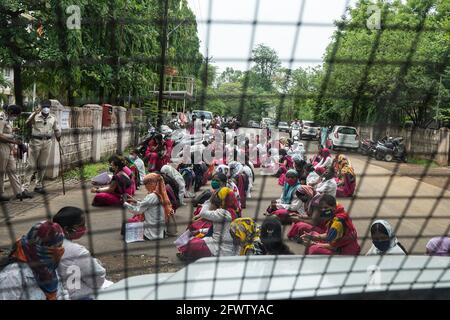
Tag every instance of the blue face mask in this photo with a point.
(326, 213)
(383, 246)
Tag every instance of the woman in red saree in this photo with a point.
(340, 236)
(155, 153)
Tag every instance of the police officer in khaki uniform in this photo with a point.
(43, 126)
(7, 161)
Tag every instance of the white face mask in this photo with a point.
(46, 110)
(12, 118)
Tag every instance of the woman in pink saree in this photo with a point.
(121, 185)
(346, 179)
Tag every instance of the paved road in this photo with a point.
(418, 210)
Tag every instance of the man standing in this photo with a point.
(43, 126)
(7, 162)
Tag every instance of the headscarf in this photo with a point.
(288, 190)
(223, 168)
(439, 246)
(228, 201)
(235, 168)
(160, 189)
(246, 231)
(41, 248)
(390, 232)
(344, 165)
(306, 190)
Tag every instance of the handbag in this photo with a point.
(171, 226)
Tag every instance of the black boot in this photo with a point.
(3, 198)
(40, 190)
(24, 195)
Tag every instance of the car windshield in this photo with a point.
(207, 114)
(309, 124)
(347, 130)
(283, 124)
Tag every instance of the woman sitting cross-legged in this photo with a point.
(201, 227)
(91, 272)
(121, 185)
(287, 203)
(302, 222)
(340, 236)
(246, 236)
(220, 211)
(155, 210)
(30, 270)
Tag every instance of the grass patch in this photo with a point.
(423, 162)
(87, 172)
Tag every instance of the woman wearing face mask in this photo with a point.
(340, 236)
(199, 227)
(91, 272)
(384, 240)
(225, 169)
(121, 185)
(155, 153)
(30, 270)
(328, 184)
(220, 211)
(287, 203)
(302, 222)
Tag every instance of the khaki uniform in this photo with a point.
(7, 161)
(42, 130)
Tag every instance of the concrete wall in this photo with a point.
(87, 140)
(420, 143)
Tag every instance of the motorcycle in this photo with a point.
(367, 147)
(391, 149)
(295, 133)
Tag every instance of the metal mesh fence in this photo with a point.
(413, 199)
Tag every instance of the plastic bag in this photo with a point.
(102, 179)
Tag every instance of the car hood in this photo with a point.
(294, 277)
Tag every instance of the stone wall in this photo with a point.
(86, 140)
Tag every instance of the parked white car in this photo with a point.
(344, 137)
(310, 130)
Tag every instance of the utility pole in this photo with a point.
(205, 82)
(163, 62)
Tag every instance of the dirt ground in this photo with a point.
(136, 265)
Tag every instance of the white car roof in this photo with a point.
(287, 277)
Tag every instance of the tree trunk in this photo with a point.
(18, 84)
